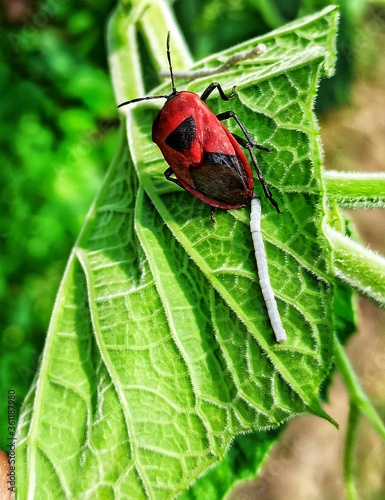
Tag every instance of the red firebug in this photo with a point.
(207, 161)
(204, 157)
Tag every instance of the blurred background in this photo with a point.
(58, 134)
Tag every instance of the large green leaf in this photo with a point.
(159, 350)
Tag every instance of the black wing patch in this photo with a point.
(183, 136)
(230, 161)
(221, 178)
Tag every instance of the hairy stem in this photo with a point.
(356, 189)
(359, 266)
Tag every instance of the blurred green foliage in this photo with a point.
(59, 126)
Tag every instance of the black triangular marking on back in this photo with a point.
(182, 137)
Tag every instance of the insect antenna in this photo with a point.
(138, 99)
(174, 91)
(170, 65)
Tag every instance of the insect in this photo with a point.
(203, 155)
(206, 160)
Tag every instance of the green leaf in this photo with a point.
(160, 351)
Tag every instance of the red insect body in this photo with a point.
(205, 158)
(203, 155)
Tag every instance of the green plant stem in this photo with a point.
(359, 266)
(356, 189)
(355, 391)
(123, 55)
(157, 20)
(350, 448)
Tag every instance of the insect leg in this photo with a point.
(216, 85)
(244, 143)
(249, 144)
(263, 272)
(168, 173)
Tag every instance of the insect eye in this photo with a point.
(183, 136)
